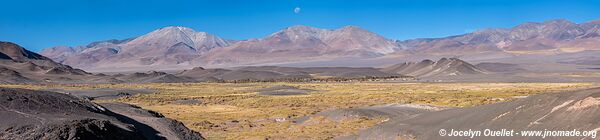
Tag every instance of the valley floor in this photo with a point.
(295, 110)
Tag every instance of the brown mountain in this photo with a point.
(554, 36)
(175, 46)
(428, 68)
(61, 53)
(18, 65)
(15, 52)
(184, 48)
(303, 43)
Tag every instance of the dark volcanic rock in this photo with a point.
(169, 128)
(71, 130)
(103, 93)
(29, 114)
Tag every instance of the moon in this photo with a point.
(297, 10)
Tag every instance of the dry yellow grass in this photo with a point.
(237, 111)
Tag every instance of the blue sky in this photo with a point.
(37, 24)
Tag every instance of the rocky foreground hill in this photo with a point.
(29, 114)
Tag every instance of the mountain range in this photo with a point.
(19, 65)
(183, 48)
(554, 36)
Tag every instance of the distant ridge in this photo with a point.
(19, 65)
(181, 48)
(303, 43)
(428, 68)
(34, 68)
(176, 46)
(18, 53)
(165, 46)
